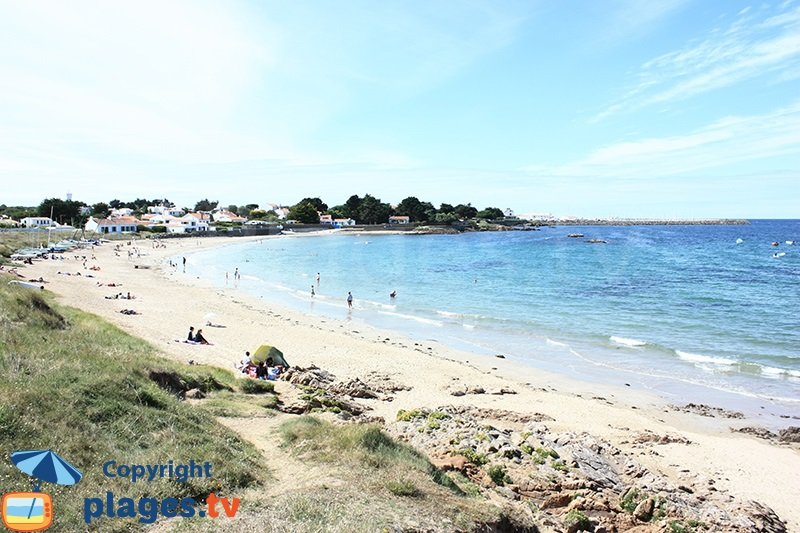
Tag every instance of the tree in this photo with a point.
(373, 211)
(351, 207)
(114, 204)
(465, 211)
(445, 218)
(100, 209)
(205, 205)
(251, 207)
(491, 213)
(318, 204)
(446, 208)
(413, 208)
(304, 212)
(338, 211)
(233, 209)
(258, 214)
(63, 211)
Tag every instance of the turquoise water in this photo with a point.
(675, 309)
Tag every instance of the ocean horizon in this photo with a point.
(691, 313)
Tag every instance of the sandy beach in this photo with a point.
(169, 301)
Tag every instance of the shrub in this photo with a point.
(256, 386)
(577, 520)
(498, 474)
(403, 487)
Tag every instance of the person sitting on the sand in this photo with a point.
(199, 337)
(262, 371)
(273, 370)
(191, 334)
(246, 361)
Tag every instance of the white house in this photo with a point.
(340, 222)
(37, 222)
(188, 223)
(326, 219)
(226, 216)
(508, 212)
(161, 209)
(121, 212)
(112, 225)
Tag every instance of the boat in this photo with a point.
(739, 240)
(778, 255)
(597, 241)
(776, 243)
(790, 243)
(575, 235)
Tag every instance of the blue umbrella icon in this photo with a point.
(46, 465)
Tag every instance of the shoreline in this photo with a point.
(170, 302)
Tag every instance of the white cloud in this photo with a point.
(723, 144)
(748, 48)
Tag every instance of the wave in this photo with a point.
(420, 319)
(631, 343)
(699, 358)
(772, 371)
(448, 314)
(556, 343)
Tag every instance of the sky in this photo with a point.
(627, 108)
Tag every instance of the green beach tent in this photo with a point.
(265, 351)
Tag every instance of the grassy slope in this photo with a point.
(75, 383)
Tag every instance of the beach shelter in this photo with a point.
(46, 465)
(265, 351)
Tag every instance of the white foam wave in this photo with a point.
(705, 359)
(777, 372)
(414, 318)
(448, 314)
(556, 343)
(468, 326)
(627, 342)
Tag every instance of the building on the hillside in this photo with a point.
(85, 210)
(121, 212)
(508, 212)
(112, 225)
(226, 216)
(326, 219)
(162, 209)
(400, 219)
(37, 222)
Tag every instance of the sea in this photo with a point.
(709, 314)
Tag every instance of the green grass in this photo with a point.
(631, 499)
(256, 386)
(76, 384)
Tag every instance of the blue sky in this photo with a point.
(676, 108)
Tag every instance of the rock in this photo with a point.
(355, 388)
(761, 433)
(507, 493)
(501, 391)
(560, 499)
(194, 394)
(456, 462)
(644, 511)
(458, 392)
(790, 434)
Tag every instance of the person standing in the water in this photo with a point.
(350, 300)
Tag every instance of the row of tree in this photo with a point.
(370, 210)
(366, 210)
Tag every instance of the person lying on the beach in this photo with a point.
(129, 312)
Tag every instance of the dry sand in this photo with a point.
(170, 301)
